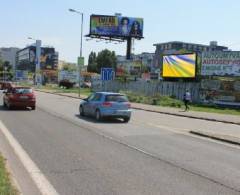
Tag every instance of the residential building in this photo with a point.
(136, 63)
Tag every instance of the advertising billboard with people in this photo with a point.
(179, 66)
(116, 26)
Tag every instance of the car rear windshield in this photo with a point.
(22, 90)
(116, 98)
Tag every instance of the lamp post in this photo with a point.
(81, 57)
(38, 79)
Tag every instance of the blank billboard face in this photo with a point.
(179, 66)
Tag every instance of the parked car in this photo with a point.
(4, 85)
(19, 97)
(86, 84)
(106, 104)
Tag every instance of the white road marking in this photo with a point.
(168, 128)
(38, 177)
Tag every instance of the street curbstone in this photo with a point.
(222, 138)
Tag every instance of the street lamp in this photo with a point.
(38, 78)
(79, 65)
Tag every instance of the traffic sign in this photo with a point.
(81, 61)
(107, 74)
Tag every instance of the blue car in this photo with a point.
(106, 104)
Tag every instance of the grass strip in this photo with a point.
(6, 187)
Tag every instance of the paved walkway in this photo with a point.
(231, 136)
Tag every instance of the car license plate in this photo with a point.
(23, 97)
(121, 113)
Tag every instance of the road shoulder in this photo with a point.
(19, 175)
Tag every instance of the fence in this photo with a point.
(176, 89)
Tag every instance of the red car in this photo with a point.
(19, 97)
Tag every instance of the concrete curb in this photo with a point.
(187, 116)
(155, 111)
(216, 137)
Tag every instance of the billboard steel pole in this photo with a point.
(129, 47)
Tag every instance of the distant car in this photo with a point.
(19, 97)
(106, 104)
(86, 85)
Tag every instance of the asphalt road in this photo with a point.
(153, 154)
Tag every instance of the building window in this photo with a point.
(169, 46)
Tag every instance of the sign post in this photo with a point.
(107, 74)
(80, 65)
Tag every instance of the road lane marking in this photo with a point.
(173, 129)
(38, 177)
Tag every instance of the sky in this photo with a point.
(172, 20)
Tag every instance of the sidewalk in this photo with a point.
(232, 136)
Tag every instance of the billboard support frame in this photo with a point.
(129, 48)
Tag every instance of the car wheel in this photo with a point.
(98, 115)
(4, 104)
(126, 119)
(81, 111)
(34, 108)
(9, 106)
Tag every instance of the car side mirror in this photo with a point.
(85, 99)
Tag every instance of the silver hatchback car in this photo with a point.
(106, 104)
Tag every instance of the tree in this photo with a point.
(92, 62)
(1, 64)
(106, 59)
(6, 69)
(7, 65)
(69, 67)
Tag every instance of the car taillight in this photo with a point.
(12, 97)
(107, 104)
(33, 96)
(129, 105)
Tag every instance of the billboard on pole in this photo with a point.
(221, 63)
(116, 26)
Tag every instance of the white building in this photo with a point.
(9, 54)
(143, 59)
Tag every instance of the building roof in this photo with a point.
(171, 42)
(33, 46)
